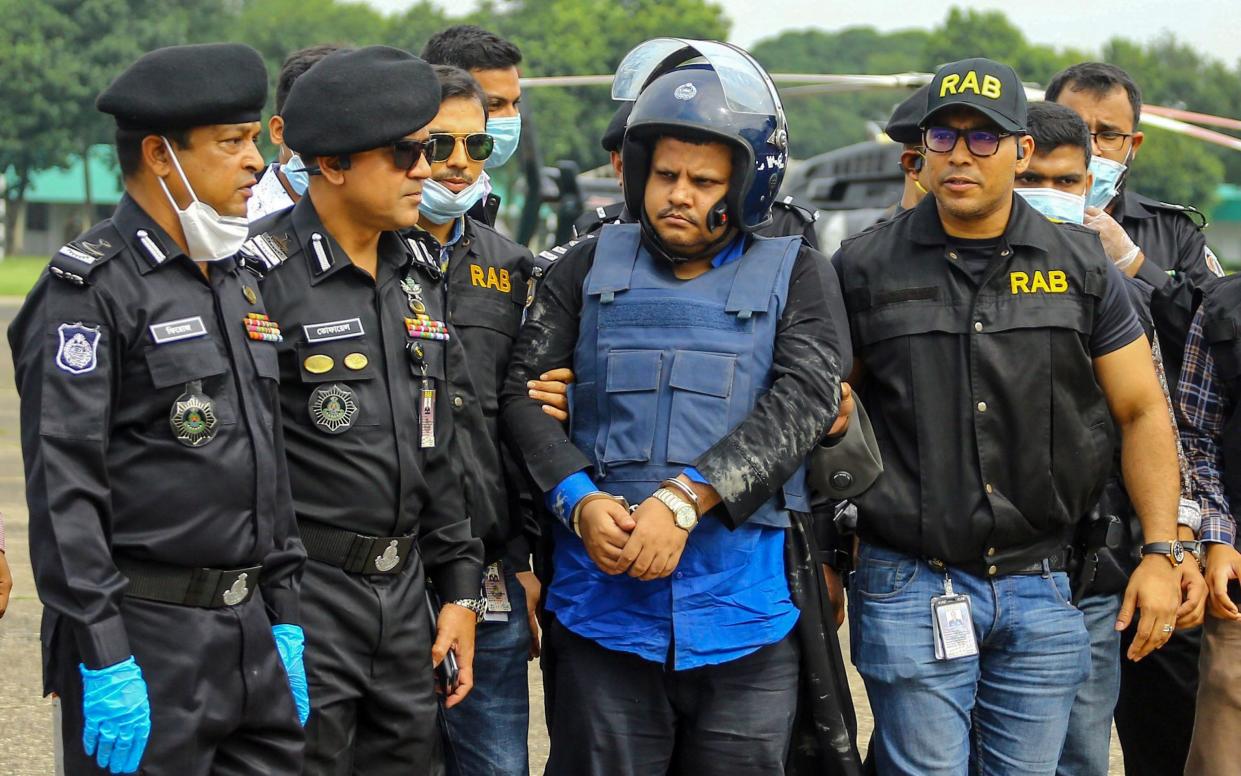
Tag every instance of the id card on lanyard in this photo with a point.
(952, 618)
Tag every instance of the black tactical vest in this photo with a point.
(995, 436)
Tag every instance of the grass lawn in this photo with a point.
(18, 274)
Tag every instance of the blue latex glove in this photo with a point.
(117, 715)
(291, 643)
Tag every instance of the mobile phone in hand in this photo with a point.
(447, 673)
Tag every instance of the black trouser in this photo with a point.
(368, 665)
(619, 715)
(1155, 712)
(220, 699)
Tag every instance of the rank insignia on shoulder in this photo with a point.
(78, 258)
(260, 327)
(79, 348)
(333, 408)
(424, 257)
(193, 419)
(265, 250)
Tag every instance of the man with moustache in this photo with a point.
(979, 327)
(485, 285)
(161, 530)
(368, 415)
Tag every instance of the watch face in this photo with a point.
(685, 517)
(1178, 552)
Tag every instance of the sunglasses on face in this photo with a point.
(980, 142)
(406, 153)
(478, 145)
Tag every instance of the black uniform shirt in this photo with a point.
(105, 475)
(792, 415)
(487, 289)
(1171, 240)
(346, 332)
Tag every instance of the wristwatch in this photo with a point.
(1196, 549)
(1174, 551)
(683, 512)
(476, 605)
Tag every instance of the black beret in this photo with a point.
(615, 133)
(188, 86)
(357, 100)
(903, 125)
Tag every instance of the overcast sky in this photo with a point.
(1212, 26)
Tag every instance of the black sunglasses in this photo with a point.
(980, 142)
(406, 153)
(478, 145)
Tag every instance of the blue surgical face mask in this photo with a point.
(507, 132)
(441, 205)
(1107, 178)
(1055, 204)
(295, 173)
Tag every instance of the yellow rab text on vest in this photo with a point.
(1054, 282)
(495, 279)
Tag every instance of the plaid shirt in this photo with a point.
(1204, 409)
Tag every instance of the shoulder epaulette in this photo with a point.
(543, 260)
(78, 258)
(1195, 215)
(264, 252)
(805, 214)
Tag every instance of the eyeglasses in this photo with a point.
(980, 142)
(1110, 139)
(406, 153)
(478, 145)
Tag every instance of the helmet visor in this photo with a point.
(747, 87)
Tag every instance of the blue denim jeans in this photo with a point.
(486, 734)
(1087, 747)
(1004, 711)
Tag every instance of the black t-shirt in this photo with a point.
(1117, 323)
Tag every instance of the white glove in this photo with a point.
(1116, 242)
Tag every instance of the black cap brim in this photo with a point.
(1003, 122)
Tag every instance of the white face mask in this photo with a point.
(209, 236)
(441, 205)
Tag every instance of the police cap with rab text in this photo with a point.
(359, 99)
(988, 86)
(179, 87)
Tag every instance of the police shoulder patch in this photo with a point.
(264, 252)
(78, 258)
(1195, 215)
(78, 351)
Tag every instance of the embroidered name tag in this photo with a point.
(171, 331)
(333, 330)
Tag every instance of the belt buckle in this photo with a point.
(388, 555)
(236, 586)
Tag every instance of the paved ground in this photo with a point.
(25, 717)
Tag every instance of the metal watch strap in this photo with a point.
(476, 605)
(672, 499)
(690, 496)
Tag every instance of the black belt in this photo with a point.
(356, 553)
(209, 588)
(1055, 562)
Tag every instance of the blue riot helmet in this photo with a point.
(705, 90)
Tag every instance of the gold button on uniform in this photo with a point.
(992, 570)
(318, 364)
(356, 361)
(988, 487)
(990, 552)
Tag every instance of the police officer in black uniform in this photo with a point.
(161, 529)
(1173, 265)
(903, 128)
(485, 287)
(368, 414)
(991, 344)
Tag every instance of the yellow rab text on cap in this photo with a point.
(953, 83)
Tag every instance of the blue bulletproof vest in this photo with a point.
(665, 368)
